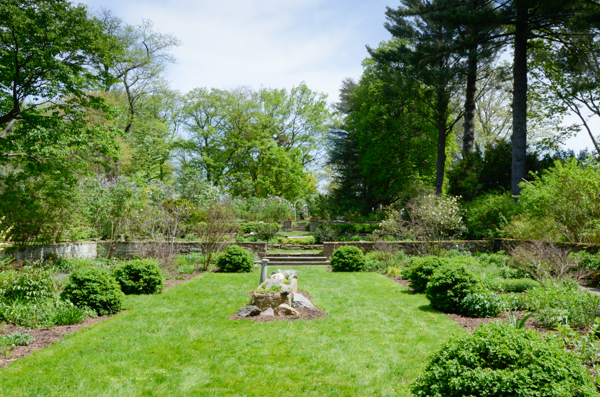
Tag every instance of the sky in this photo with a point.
(269, 43)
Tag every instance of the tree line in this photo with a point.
(441, 86)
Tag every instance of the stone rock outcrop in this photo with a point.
(302, 302)
(249, 311)
(268, 312)
(265, 301)
(286, 310)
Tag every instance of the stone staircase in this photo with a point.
(295, 259)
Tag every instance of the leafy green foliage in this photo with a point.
(514, 302)
(421, 270)
(266, 231)
(487, 215)
(558, 303)
(348, 259)
(16, 339)
(325, 232)
(29, 284)
(449, 285)
(382, 260)
(95, 288)
(568, 193)
(482, 304)
(140, 277)
(235, 259)
(496, 360)
(44, 313)
(518, 285)
(381, 121)
(249, 227)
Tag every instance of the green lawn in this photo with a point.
(181, 343)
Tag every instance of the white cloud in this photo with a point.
(273, 43)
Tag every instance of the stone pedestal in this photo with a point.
(287, 226)
(314, 226)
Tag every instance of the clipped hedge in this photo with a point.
(140, 277)
(348, 259)
(498, 360)
(235, 259)
(95, 288)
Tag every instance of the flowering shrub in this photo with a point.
(429, 218)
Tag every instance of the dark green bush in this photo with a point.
(29, 284)
(498, 360)
(421, 271)
(325, 233)
(482, 304)
(348, 259)
(449, 285)
(139, 277)
(266, 231)
(95, 288)
(235, 259)
(518, 285)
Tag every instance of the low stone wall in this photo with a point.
(409, 247)
(128, 249)
(83, 250)
(412, 247)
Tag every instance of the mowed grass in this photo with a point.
(374, 342)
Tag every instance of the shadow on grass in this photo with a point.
(427, 308)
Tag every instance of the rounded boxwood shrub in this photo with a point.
(139, 277)
(499, 360)
(482, 304)
(95, 288)
(348, 259)
(235, 259)
(449, 285)
(421, 270)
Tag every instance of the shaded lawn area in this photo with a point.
(374, 341)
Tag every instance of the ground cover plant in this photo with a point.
(183, 343)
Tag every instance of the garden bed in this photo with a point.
(47, 336)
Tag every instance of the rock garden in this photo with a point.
(278, 298)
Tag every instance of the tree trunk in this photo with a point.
(442, 127)
(519, 135)
(469, 134)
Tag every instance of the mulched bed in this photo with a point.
(47, 336)
(305, 314)
(471, 323)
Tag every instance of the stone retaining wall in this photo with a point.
(411, 247)
(83, 250)
(128, 249)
